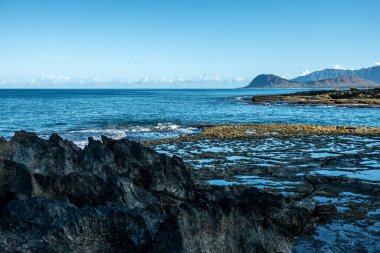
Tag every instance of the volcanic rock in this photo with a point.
(119, 196)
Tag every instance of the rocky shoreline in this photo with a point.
(337, 167)
(350, 98)
(119, 196)
(237, 188)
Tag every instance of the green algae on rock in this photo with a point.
(268, 130)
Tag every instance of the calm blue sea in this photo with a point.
(146, 114)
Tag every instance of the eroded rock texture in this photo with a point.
(118, 196)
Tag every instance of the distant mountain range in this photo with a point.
(341, 82)
(372, 74)
(328, 78)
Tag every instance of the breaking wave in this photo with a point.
(136, 132)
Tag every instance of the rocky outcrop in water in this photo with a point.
(119, 196)
(352, 98)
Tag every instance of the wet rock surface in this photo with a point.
(346, 98)
(341, 173)
(119, 196)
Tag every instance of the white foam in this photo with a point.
(81, 144)
(242, 98)
(158, 131)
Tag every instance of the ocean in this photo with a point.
(152, 114)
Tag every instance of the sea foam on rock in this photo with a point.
(119, 196)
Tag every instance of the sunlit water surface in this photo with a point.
(151, 114)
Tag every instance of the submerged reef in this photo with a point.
(119, 196)
(268, 130)
(347, 98)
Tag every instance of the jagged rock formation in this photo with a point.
(272, 81)
(372, 74)
(118, 196)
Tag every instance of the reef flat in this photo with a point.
(347, 98)
(336, 167)
(268, 130)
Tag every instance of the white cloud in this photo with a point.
(239, 80)
(305, 72)
(338, 67)
(48, 80)
(86, 79)
(206, 78)
(7, 81)
(286, 75)
(376, 63)
(32, 81)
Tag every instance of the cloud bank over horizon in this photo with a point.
(201, 81)
(60, 81)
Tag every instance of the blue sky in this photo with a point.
(191, 41)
